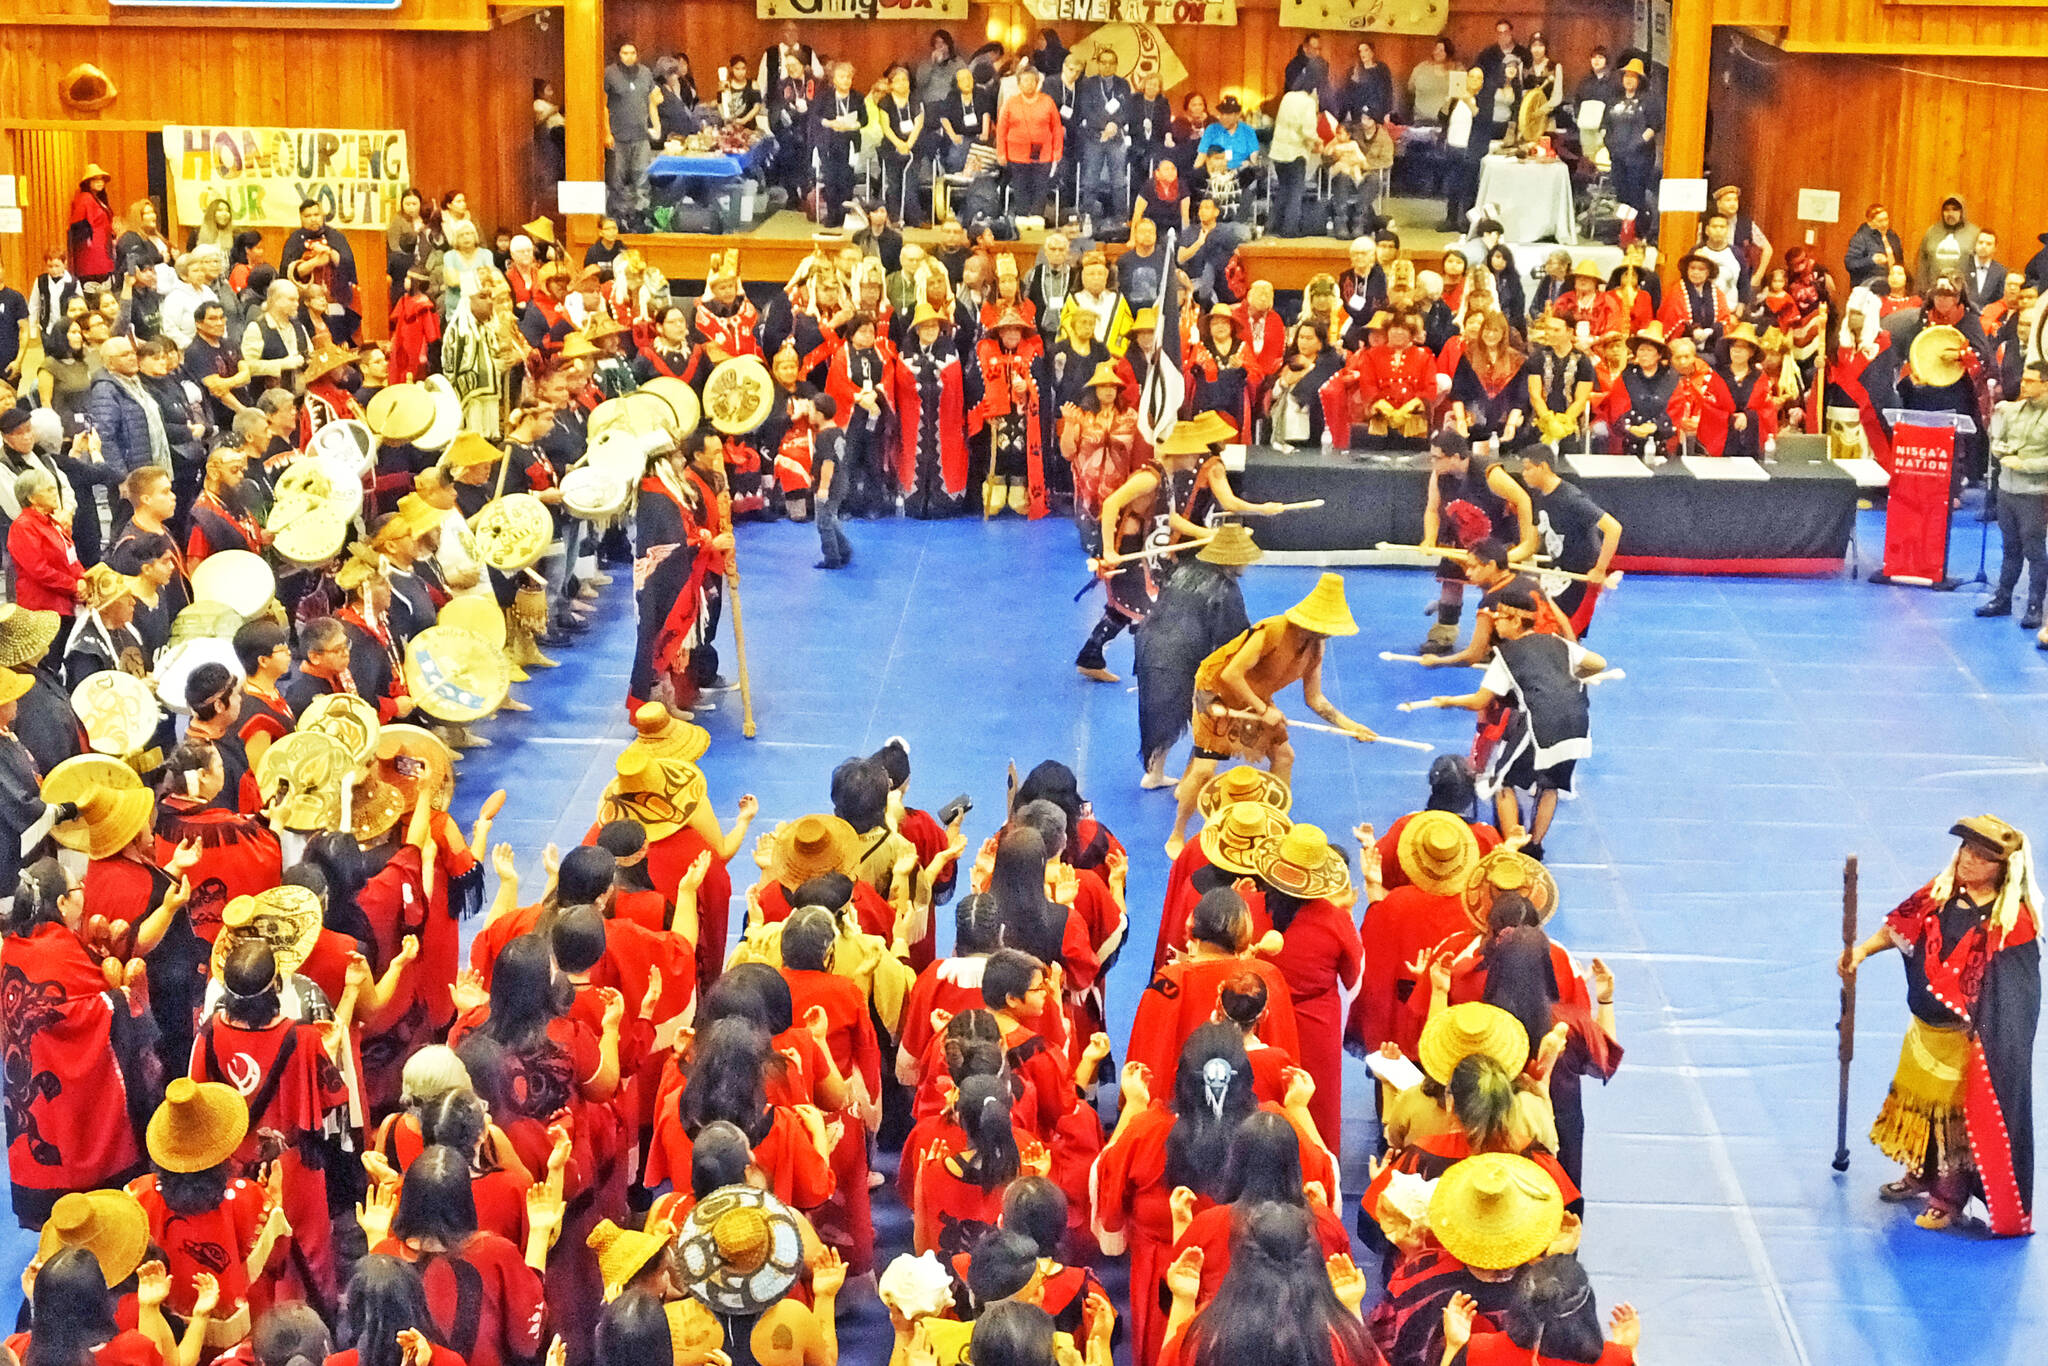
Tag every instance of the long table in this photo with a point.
(1798, 520)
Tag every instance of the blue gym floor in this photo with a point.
(1766, 729)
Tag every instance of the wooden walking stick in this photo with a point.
(732, 590)
(1845, 1027)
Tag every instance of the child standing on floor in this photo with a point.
(828, 486)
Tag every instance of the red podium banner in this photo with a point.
(1916, 518)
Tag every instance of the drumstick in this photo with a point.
(1220, 710)
(1604, 676)
(1284, 507)
(1393, 658)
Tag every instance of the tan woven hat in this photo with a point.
(1496, 1211)
(1438, 851)
(622, 1254)
(1508, 870)
(25, 635)
(1302, 863)
(110, 1224)
(1232, 544)
(1230, 838)
(811, 846)
(113, 818)
(660, 734)
(1455, 1034)
(1244, 784)
(199, 1125)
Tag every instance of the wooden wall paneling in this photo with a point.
(1876, 133)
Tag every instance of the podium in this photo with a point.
(1916, 523)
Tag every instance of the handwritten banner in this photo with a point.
(1366, 16)
(1133, 11)
(860, 9)
(264, 173)
(1140, 49)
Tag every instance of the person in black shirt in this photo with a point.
(1578, 535)
(215, 364)
(1367, 89)
(13, 314)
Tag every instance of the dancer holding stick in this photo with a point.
(1546, 724)
(732, 590)
(1244, 675)
(1960, 1114)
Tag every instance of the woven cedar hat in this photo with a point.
(1456, 1033)
(663, 736)
(1302, 863)
(1651, 335)
(1231, 544)
(577, 347)
(1244, 784)
(1508, 870)
(325, 360)
(199, 1125)
(469, 449)
(812, 846)
(622, 1254)
(110, 1224)
(1231, 838)
(1496, 1211)
(13, 685)
(1105, 377)
(75, 777)
(113, 818)
(1438, 851)
(740, 1251)
(656, 794)
(25, 635)
(1324, 610)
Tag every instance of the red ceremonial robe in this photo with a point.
(1181, 998)
(1990, 980)
(931, 416)
(1009, 388)
(74, 1060)
(284, 1073)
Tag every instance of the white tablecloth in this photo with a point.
(1533, 199)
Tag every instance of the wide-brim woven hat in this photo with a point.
(660, 734)
(1244, 784)
(13, 685)
(658, 795)
(1473, 1027)
(740, 1251)
(1509, 870)
(1324, 610)
(25, 634)
(1302, 862)
(1231, 544)
(110, 1224)
(1496, 1211)
(1230, 838)
(113, 818)
(1438, 851)
(199, 1125)
(811, 846)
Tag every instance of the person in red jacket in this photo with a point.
(1437, 856)
(1030, 141)
(1390, 386)
(92, 226)
(47, 574)
(1701, 405)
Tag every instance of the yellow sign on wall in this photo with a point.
(860, 9)
(1139, 48)
(1366, 16)
(264, 173)
(1133, 11)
